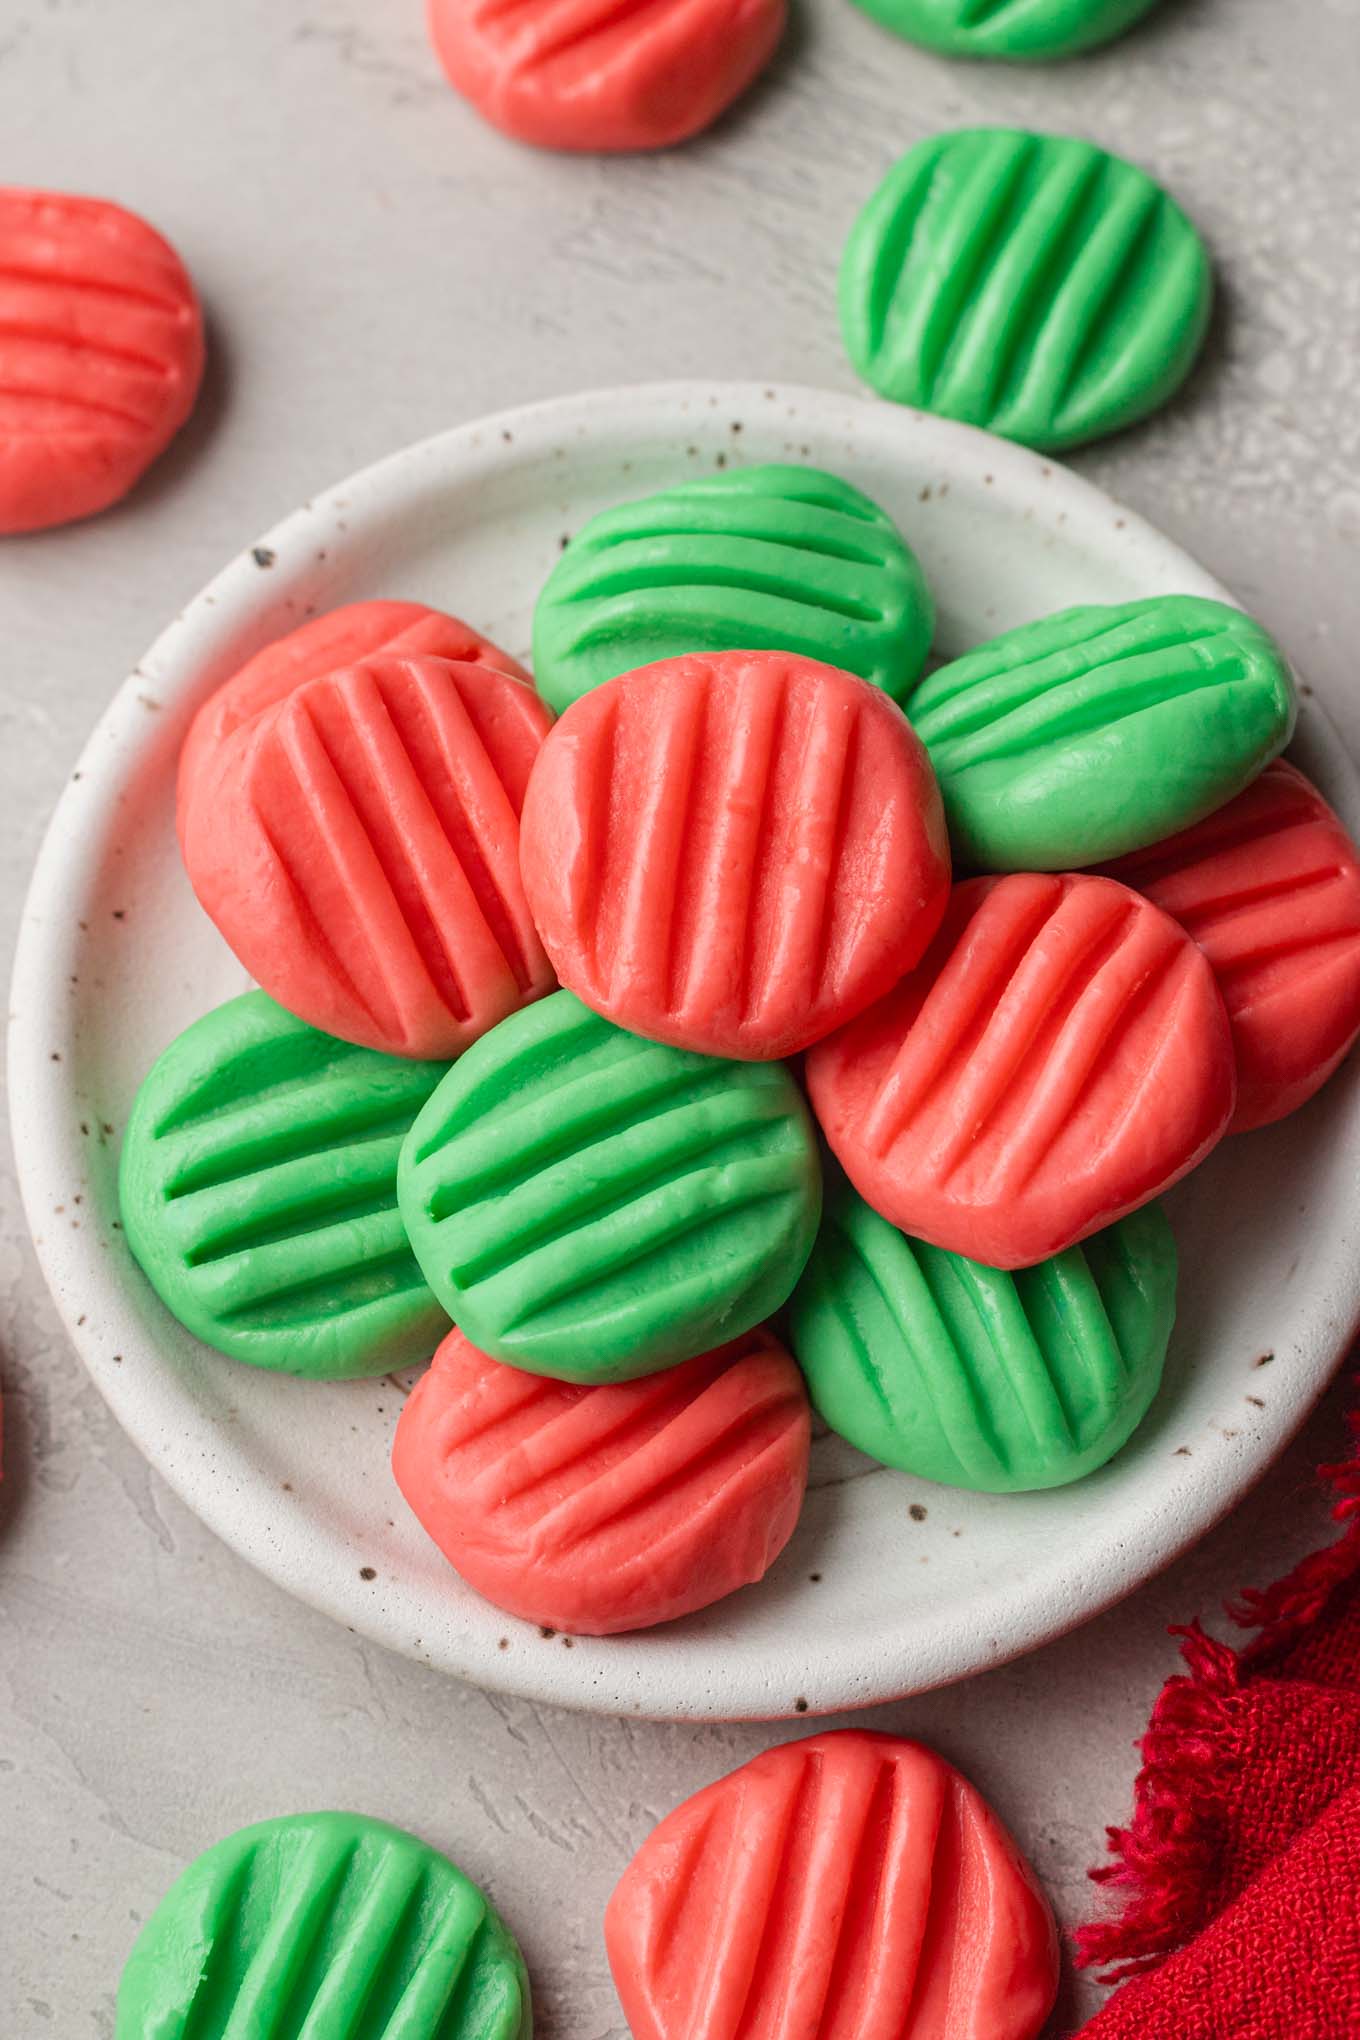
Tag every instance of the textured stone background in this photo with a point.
(377, 265)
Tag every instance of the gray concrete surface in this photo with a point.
(376, 265)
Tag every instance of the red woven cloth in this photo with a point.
(1238, 1879)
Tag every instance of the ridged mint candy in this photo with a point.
(1031, 284)
(258, 1186)
(757, 559)
(593, 1206)
(1102, 729)
(323, 1926)
(1018, 31)
(962, 1374)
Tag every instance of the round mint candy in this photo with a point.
(963, 1374)
(593, 1206)
(1030, 284)
(1017, 31)
(1102, 729)
(324, 1924)
(770, 558)
(258, 1186)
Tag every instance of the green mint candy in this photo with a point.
(757, 559)
(1017, 31)
(593, 1206)
(965, 1375)
(1031, 284)
(323, 1926)
(1102, 729)
(258, 1186)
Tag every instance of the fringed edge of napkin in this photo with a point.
(1164, 1858)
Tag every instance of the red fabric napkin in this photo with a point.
(1239, 1875)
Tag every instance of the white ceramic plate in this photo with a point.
(890, 1585)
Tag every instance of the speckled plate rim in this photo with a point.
(154, 1406)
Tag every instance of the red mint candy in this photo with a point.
(101, 354)
(734, 852)
(600, 1509)
(358, 846)
(1060, 1056)
(851, 1887)
(589, 74)
(1269, 887)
